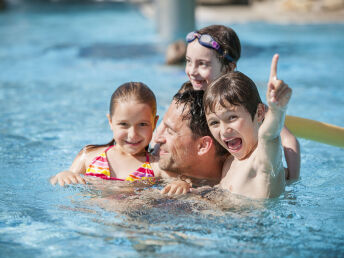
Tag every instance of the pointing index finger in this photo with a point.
(273, 69)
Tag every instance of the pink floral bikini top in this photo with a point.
(100, 168)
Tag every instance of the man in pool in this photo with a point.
(186, 144)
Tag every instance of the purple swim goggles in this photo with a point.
(207, 41)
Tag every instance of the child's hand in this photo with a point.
(67, 177)
(177, 187)
(278, 93)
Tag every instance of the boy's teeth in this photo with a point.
(234, 143)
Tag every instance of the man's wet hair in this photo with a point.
(193, 111)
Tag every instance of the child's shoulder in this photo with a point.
(94, 148)
(228, 161)
(90, 152)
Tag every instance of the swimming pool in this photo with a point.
(59, 65)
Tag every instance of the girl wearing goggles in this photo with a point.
(211, 52)
(207, 41)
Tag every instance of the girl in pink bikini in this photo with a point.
(132, 119)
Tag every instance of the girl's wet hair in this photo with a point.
(137, 91)
(233, 88)
(133, 91)
(229, 42)
(185, 87)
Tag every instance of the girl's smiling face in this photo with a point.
(202, 65)
(132, 124)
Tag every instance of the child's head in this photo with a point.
(216, 51)
(233, 88)
(228, 41)
(137, 91)
(132, 116)
(234, 111)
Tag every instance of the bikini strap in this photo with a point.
(108, 148)
(147, 156)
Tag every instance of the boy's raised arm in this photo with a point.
(278, 95)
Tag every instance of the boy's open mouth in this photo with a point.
(234, 144)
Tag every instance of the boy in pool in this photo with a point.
(237, 119)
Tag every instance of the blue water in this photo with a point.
(59, 65)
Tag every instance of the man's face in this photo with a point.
(177, 147)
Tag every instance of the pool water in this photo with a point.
(59, 66)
